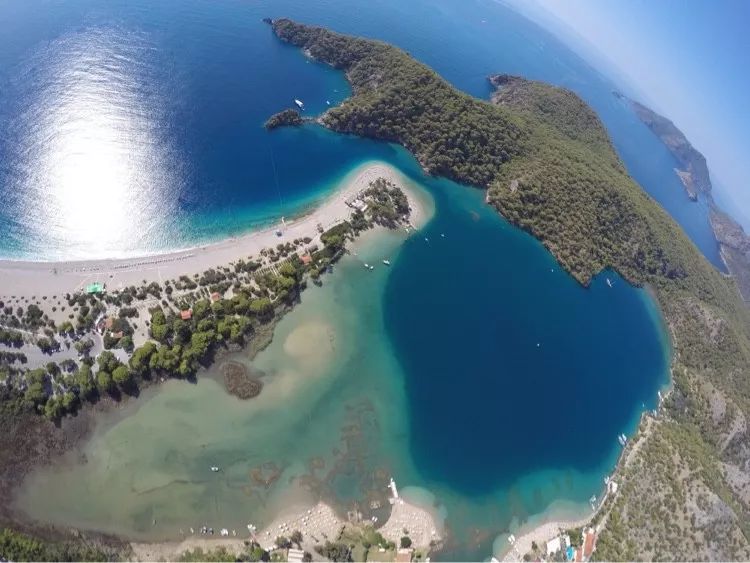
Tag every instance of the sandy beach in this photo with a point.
(419, 522)
(540, 535)
(28, 278)
(317, 525)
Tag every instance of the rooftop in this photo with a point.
(589, 544)
(96, 287)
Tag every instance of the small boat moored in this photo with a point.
(299, 103)
(387, 262)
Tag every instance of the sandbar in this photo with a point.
(30, 278)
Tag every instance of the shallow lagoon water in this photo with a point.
(428, 371)
(353, 395)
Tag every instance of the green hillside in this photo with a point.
(549, 167)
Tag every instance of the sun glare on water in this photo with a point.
(98, 174)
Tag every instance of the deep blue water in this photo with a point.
(136, 126)
(512, 366)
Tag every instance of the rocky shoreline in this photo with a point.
(734, 243)
(694, 170)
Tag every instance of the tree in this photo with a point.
(104, 382)
(84, 381)
(53, 409)
(257, 553)
(45, 345)
(140, 360)
(283, 542)
(108, 361)
(35, 393)
(19, 547)
(122, 377)
(261, 307)
(201, 309)
(69, 402)
(335, 551)
(126, 343)
(83, 347)
(200, 345)
(296, 537)
(286, 269)
(159, 332)
(405, 542)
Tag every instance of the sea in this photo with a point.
(474, 370)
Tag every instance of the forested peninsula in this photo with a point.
(548, 166)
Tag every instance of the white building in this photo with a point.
(553, 546)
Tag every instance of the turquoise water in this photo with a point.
(474, 369)
(427, 371)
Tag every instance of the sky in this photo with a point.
(689, 60)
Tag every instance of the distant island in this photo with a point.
(694, 171)
(547, 165)
(734, 243)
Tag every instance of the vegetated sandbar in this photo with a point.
(47, 278)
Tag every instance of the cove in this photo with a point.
(427, 371)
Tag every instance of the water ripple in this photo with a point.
(90, 166)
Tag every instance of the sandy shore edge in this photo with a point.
(317, 524)
(540, 534)
(24, 278)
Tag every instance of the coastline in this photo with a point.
(55, 278)
(540, 534)
(318, 524)
(553, 522)
(37, 277)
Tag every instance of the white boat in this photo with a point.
(214, 468)
(387, 262)
(367, 266)
(622, 439)
(609, 282)
(299, 103)
(328, 103)
(426, 239)
(372, 267)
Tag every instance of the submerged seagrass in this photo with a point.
(549, 167)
